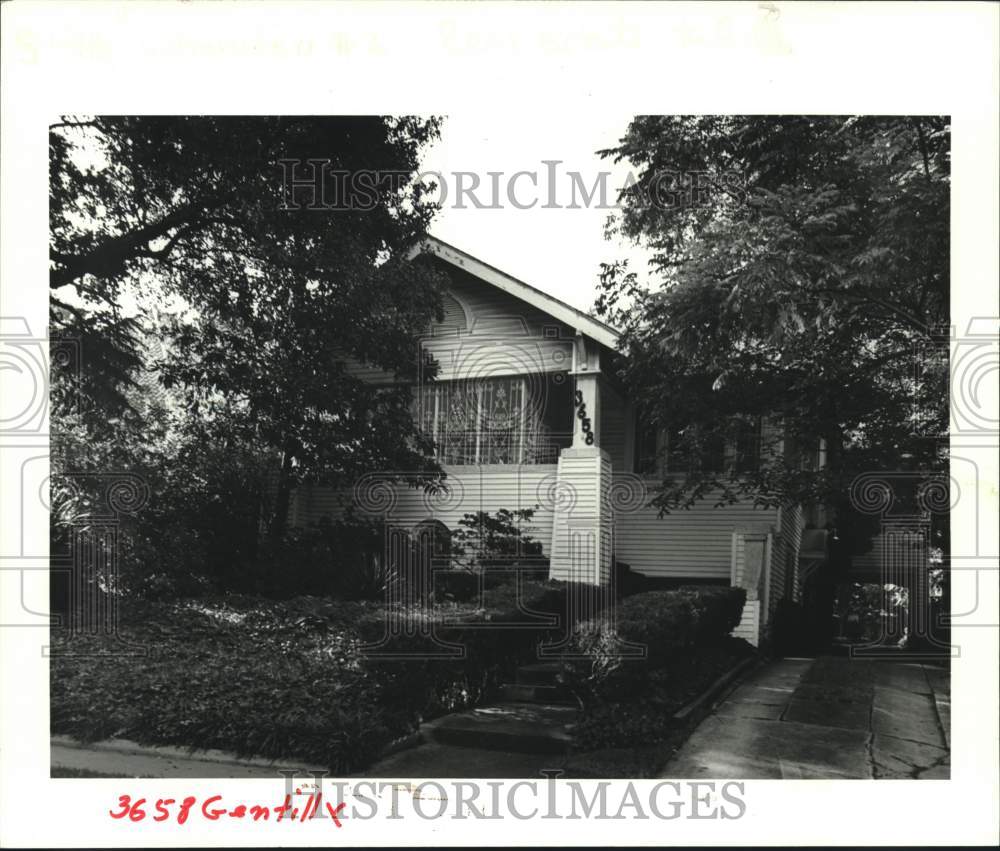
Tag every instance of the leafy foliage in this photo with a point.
(256, 679)
(286, 679)
(644, 719)
(501, 538)
(807, 282)
(626, 700)
(661, 623)
(215, 318)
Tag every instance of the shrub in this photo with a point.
(484, 540)
(341, 559)
(640, 717)
(718, 610)
(665, 623)
(456, 585)
(571, 602)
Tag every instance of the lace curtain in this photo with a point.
(484, 422)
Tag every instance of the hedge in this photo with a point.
(663, 623)
(666, 621)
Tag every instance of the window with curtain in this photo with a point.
(490, 421)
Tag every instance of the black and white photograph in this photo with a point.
(408, 470)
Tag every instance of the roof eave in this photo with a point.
(581, 322)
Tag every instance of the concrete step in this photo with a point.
(512, 727)
(527, 693)
(538, 674)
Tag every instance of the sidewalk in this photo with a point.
(826, 718)
(123, 758)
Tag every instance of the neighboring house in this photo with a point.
(526, 413)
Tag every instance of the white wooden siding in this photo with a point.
(486, 332)
(367, 373)
(472, 357)
(455, 320)
(471, 489)
(696, 543)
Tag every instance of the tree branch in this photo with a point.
(60, 124)
(110, 258)
(163, 253)
(76, 311)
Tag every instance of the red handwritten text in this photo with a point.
(211, 808)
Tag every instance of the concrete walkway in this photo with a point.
(522, 735)
(124, 758)
(826, 718)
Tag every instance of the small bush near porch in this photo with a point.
(684, 635)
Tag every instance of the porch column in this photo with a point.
(581, 549)
(587, 398)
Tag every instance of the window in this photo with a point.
(746, 445)
(735, 450)
(712, 457)
(496, 421)
(647, 449)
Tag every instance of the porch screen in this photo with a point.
(490, 421)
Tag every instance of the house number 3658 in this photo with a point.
(581, 414)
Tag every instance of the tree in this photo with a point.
(183, 231)
(801, 273)
(196, 206)
(278, 373)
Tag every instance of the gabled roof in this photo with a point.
(568, 315)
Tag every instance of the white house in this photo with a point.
(526, 413)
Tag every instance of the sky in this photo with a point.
(556, 250)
